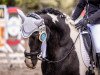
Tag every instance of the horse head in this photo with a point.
(48, 28)
(36, 33)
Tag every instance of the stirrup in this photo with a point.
(98, 60)
(90, 71)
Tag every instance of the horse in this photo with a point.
(63, 55)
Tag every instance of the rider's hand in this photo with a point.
(81, 24)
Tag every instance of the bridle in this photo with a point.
(38, 54)
(31, 54)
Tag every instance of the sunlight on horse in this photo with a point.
(63, 54)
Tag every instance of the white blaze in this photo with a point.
(54, 17)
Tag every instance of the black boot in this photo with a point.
(90, 72)
(98, 60)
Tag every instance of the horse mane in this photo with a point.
(51, 11)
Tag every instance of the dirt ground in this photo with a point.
(19, 69)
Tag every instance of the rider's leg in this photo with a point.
(95, 30)
(88, 46)
(87, 41)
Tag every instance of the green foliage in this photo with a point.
(3, 1)
(31, 5)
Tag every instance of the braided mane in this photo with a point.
(51, 11)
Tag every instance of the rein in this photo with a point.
(39, 56)
(57, 61)
(31, 54)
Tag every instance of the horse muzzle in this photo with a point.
(31, 59)
(30, 64)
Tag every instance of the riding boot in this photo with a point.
(88, 45)
(87, 42)
(90, 72)
(98, 60)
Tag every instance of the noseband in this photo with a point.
(38, 54)
(31, 54)
(42, 38)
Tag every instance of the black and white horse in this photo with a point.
(63, 55)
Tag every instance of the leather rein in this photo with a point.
(38, 54)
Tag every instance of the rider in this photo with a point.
(93, 12)
(92, 17)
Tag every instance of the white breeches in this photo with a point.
(95, 31)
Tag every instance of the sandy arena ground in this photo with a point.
(19, 69)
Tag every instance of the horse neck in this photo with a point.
(55, 52)
(53, 48)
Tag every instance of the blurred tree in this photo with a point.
(32, 5)
(67, 5)
(48, 3)
(0, 1)
(3, 1)
(28, 5)
(19, 3)
(11, 3)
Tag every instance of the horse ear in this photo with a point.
(39, 22)
(21, 14)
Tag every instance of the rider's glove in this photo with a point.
(82, 24)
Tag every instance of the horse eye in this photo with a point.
(35, 34)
